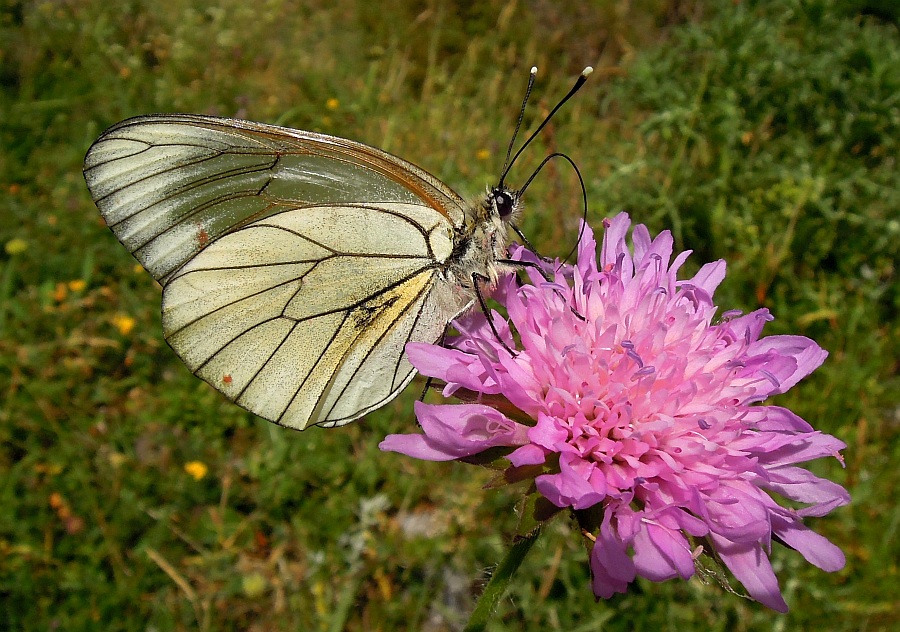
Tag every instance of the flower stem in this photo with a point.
(499, 582)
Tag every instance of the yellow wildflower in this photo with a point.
(196, 469)
(124, 324)
(332, 104)
(16, 246)
(254, 585)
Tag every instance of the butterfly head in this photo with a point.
(504, 202)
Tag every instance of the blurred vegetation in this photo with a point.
(133, 497)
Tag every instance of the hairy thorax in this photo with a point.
(479, 248)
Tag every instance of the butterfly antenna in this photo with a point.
(512, 141)
(578, 83)
(584, 199)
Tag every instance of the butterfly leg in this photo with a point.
(543, 273)
(477, 279)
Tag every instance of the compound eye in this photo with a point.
(504, 201)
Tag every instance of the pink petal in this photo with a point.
(798, 448)
(749, 326)
(807, 354)
(739, 511)
(573, 486)
(614, 240)
(416, 446)
(751, 567)
(803, 486)
(452, 432)
(776, 418)
(527, 455)
(547, 433)
(815, 548)
(710, 276)
(611, 567)
(661, 553)
(449, 365)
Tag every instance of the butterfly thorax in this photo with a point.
(480, 242)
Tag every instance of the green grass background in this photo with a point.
(762, 132)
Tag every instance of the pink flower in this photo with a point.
(624, 392)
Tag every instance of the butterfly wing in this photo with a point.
(169, 185)
(295, 266)
(302, 317)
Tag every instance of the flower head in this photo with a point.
(196, 469)
(625, 393)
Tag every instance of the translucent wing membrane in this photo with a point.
(302, 317)
(295, 266)
(169, 185)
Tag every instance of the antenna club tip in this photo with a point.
(587, 71)
(534, 70)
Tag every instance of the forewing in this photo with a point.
(302, 317)
(169, 186)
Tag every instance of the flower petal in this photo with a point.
(751, 567)
(815, 548)
(452, 432)
(807, 356)
(575, 486)
(529, 454)
(803, 486)
(778, 419)
(611, 567)
(661, 553)
(710, 276)
(450, 365)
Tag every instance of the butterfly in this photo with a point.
(295, 265)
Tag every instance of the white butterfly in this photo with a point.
(295, 266)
